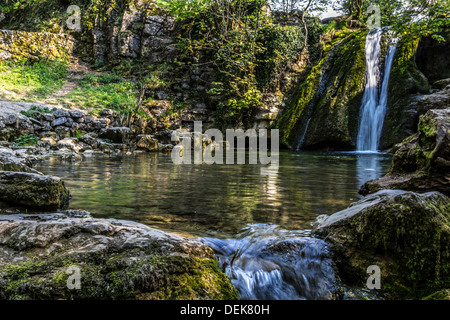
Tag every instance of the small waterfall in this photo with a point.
(266, 262)
(302, 136)
(307, 115)
(374, 103)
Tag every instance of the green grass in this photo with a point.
(32, 79)
(104, 91)
(26, 140)
(38, 80)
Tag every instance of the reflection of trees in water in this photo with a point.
(149, 188)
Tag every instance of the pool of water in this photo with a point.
(216, 200)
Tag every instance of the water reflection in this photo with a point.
(216, 200)
(370, 166)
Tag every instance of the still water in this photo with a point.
(216, 200)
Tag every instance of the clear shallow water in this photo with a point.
(258, 225)
(216, 200)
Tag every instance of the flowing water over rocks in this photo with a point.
(374, 104)
(268, 262)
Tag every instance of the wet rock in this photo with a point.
(46, 143)
(412, 110)
(117, 260)
(422, 161)
(69, 143)
(33, 190)
(442, 84)
(90, 139)
(406, 234)
(165, 136)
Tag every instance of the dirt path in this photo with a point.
(13, 102)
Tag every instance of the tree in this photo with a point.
(406, 17)
(302, 8)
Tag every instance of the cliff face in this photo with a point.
(325, 111)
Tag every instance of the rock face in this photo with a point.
(422, 161)
(33, 190)
(147, 142)
(117, 134)
(115, 260)
(406, 234)
(325, 110)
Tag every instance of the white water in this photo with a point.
(276, 264)
(374, 103)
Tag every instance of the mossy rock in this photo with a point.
(21, 45)
(406, 234)
(405, 80)
(115, 259)
(440, 295)
(33, 190)
(330, 95)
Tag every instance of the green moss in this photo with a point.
(142, 273)
(405, 79)
(409, 240)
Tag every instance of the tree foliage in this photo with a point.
(409, 18)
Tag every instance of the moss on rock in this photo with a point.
(421, 161)
(22, 45)
(33, 190)
(405, 80)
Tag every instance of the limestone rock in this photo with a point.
(11, 161)
(117, 134)
(117, 260)
(33, 190)
(147, 142)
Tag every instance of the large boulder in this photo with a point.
(422, 161)
(406, 234)
(33, 190)
(11, 161)
(114, 259)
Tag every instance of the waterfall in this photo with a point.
(374, 103)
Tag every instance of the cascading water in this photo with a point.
(269, 263)
(374, 103)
